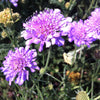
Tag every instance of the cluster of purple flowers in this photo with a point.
(47, 28)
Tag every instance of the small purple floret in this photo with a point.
(14, 2)
(16, 63)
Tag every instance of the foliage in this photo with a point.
(56, 79)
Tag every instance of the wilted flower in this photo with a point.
(73, 76)
(16, 64)
(93, 24)
(79, 35)
(45, 28)
(8, 18)
(70, 57)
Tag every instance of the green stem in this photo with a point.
(64, 76)
(10, 11)
(72, 5)
(48, 58)
(97, 98)
(64, 73)
(98, 64)
(53, 77)
(82, 70)
(25, 98)
(39, 92)
(43, 58)
(92, 85)
(47, 62)
(85, 15)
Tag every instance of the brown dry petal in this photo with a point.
(73, 76)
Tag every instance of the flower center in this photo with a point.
(80, 34)
(18, 64)
(43, 28)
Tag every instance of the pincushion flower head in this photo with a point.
(78, 34)
(93, 23)
(16, 63)
(45, 28)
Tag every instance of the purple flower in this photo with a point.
(78, 34)
(45, 28)
(93, 24)
(14, 2)
(16, 63)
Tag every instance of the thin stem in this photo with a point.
(97, 98)
(81, 75)
(92, 86)
(10, 11)
(64, 75)
(47, 62)
(53, 77)
(82, 70)
(98, 64)
(25, 98)
(43, 59)
(85, 15)
(39, 92)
